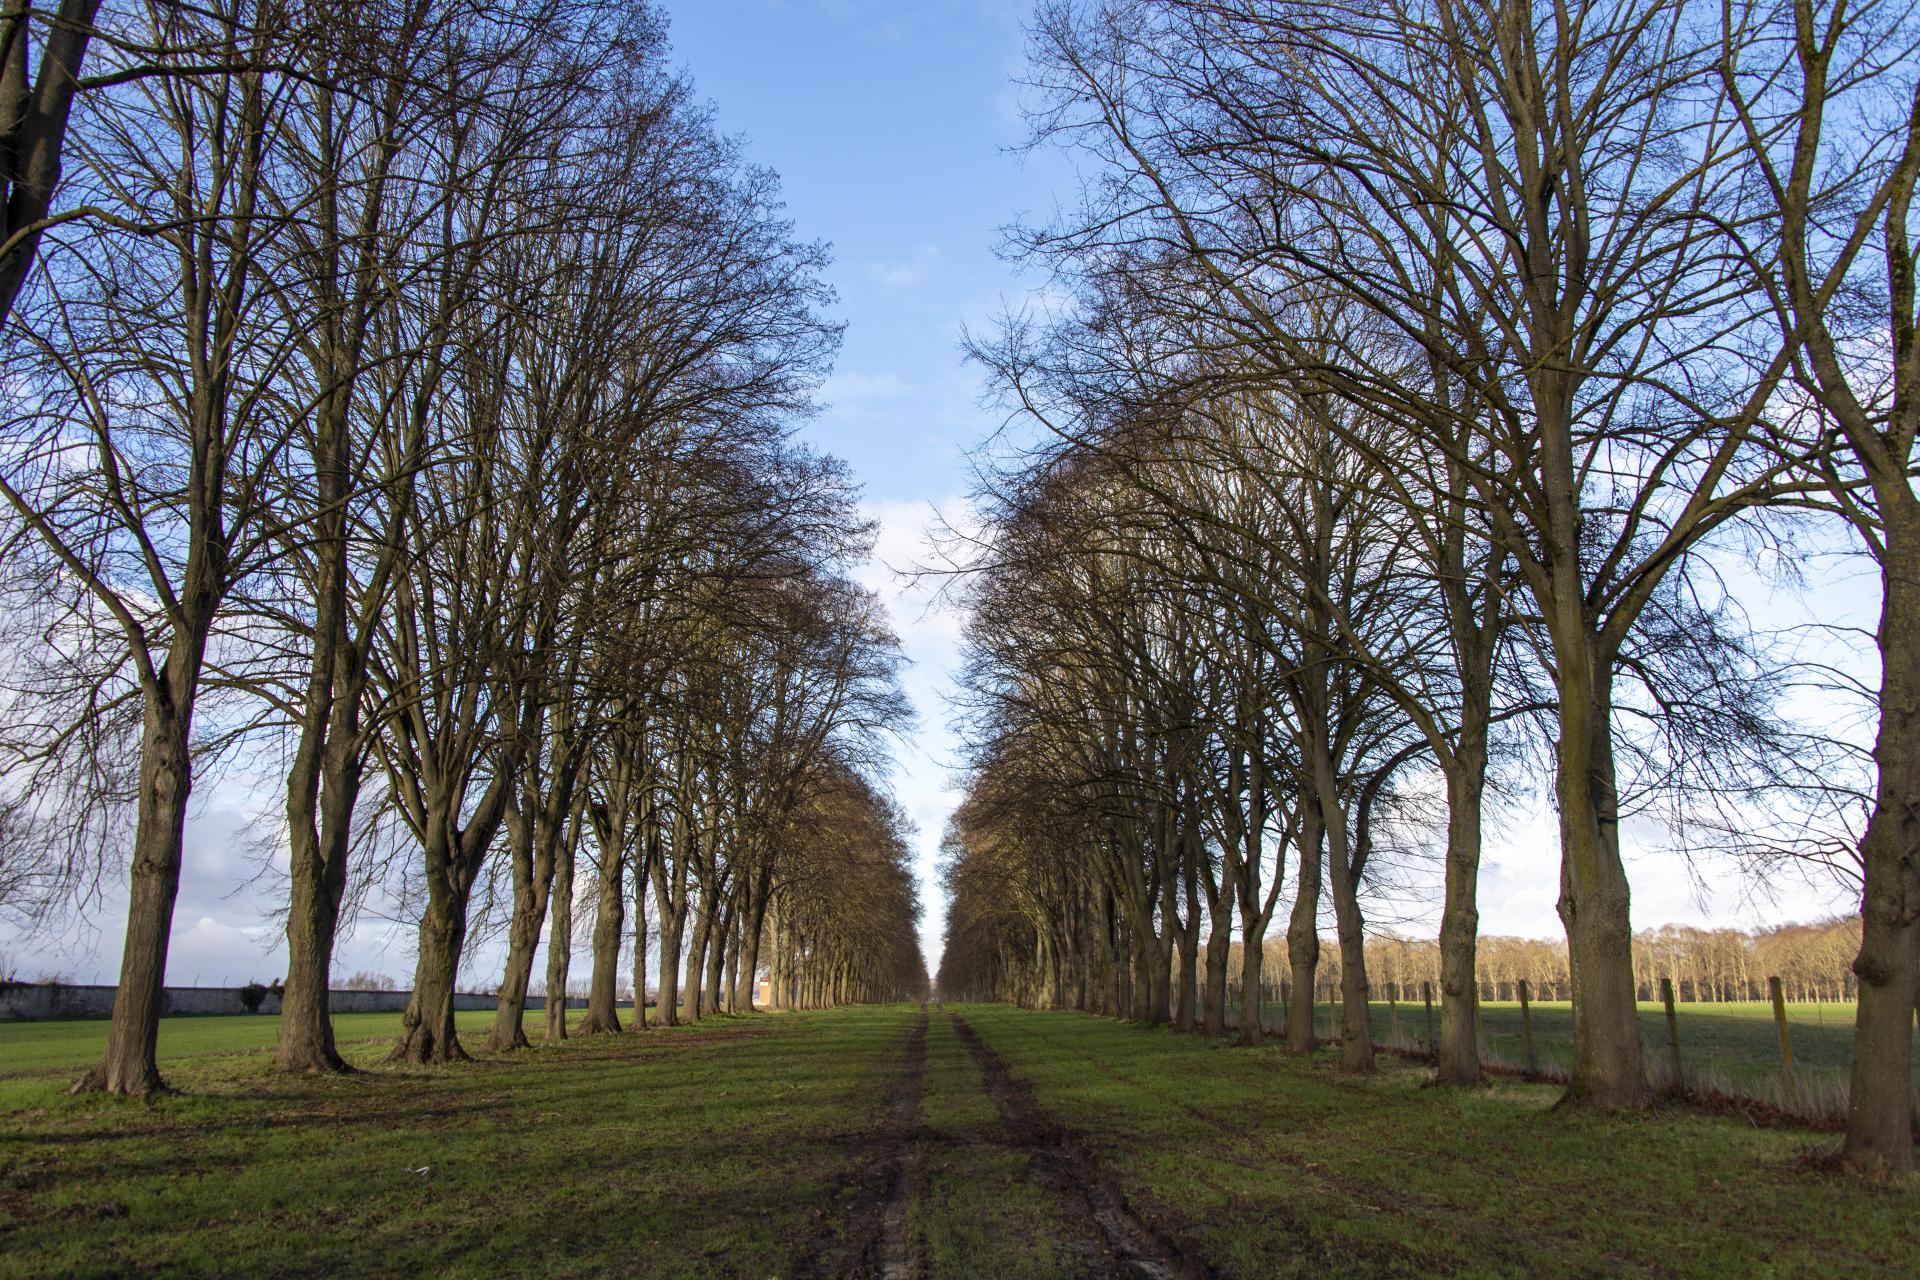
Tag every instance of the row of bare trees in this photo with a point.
(1412, 380)
(398, 401)
(1721, 966)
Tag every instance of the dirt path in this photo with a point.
(896, 1256)
(1109, 1236)
(883, 1186)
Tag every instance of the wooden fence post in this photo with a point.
(1526, 1028)
(1426, 990)
(1786, 1043)
(1673, 1033)
(1393, 1014)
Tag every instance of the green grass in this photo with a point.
(73, 1044)
(1739, 1040)
(682, 1152)
(1729, 1048)
(1275, 1166)
(36, 1048)
(741, 1147)
(979, 1215)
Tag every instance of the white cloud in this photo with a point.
(924, 265)
(852, 392)
(906, 550)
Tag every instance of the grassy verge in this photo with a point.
(700, 1151)
(1272, 1166)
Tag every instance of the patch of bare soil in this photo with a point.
(888, 1175)
(1110, 1238)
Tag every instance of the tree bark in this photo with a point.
(531, 869)
(731, 984)
(34, 130)
(1303, 932)
(1594, 898)
(560, 937)
(716, 958)
(609, 925)
(755, 929)
(667, 1010)
(1879, 1107)
(317, 872)
(427, 1032)
(696, 960)
(1460, 917)
(1252, 961)
(640, 947)
(1356, 1020)
(1219, 948)
(129, 1065)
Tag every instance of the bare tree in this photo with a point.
(1829, 98)
(140, 448)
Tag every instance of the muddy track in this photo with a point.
(1111, 1239)
(886, 1180)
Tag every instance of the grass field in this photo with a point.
(1725, 1048)
(1002, 1143)
(1275, 1166)
(682, 1151)
(29, 1049)
(1739, 1040)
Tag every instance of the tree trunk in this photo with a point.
(1186, 1009)
(696, 960)
(313, 911)
(532, 873)
(1460, 918)
(667, 1009)
(1161, 973)
(609, 924)
(1219, 948)
(1253, 955)
(1356, 1016)
(716, 959)
(640, 950)
(560, 937)
(1880, 1108)
(1594, 898)
(128, 1066)
(731, 984)
(36, 134)
(317, 874)
(1303, 933)
(427, 1032)
(1142, 969)
(755, 928)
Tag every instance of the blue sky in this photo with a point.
(894, 128)
(892, 125)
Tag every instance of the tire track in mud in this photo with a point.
(889, 1176)
(895, 1257)
(1111, 1238)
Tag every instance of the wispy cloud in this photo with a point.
(924, 266)
(929, 626)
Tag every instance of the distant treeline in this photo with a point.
(1813, 962)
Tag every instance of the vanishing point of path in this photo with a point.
(966, 1174)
